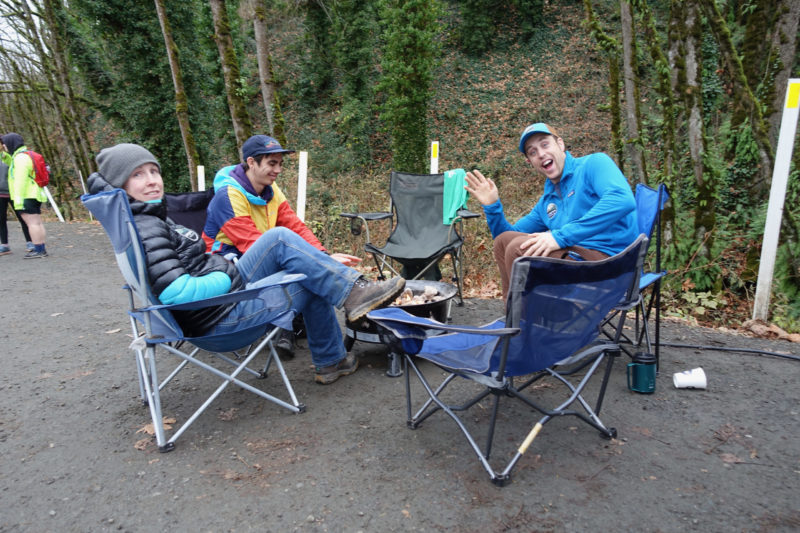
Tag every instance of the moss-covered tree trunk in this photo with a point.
(743, 95)
(181, 102)
(610, 48)
(64, 188)
(242, 126)
(784, 45)
(55, 15)
(692, 91)
(633, 143)
(409, 57)
(262, 56)
(355, 28)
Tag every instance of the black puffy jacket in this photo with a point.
(172, 250)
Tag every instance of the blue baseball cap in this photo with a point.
(539, 127)
(262, 144)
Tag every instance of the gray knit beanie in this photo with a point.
(116, 164)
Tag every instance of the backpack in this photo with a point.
(41, 169)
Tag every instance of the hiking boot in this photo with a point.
(4, 249)
(33, 254)
(368, 295)
(329, 374)
(284, 344)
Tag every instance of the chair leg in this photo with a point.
(146, 362)
(434, 404)
(147, 368)
(457, 275)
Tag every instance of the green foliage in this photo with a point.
(737, 180)
(410, 55)
(136, 81)
(530, 16)
(787, 265)
(318, 64)
(701, 302)
(478, 23)
(713, 90)
(355, 25)
(480, 20)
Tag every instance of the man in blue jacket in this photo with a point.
(586, 212)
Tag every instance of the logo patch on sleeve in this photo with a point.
(186, 233)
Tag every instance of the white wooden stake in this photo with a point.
(302, 176)
(201, 178)
(53, 203)
(83, 186)
(777, 194)
(435, 157)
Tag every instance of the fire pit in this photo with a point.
(438, 308)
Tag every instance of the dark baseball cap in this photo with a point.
(262, 144)
(539, 127)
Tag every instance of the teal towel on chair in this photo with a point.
(454, 196)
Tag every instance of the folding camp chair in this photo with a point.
(551, 329)
(189, 208)
(649, 204)
(419, 238)
(161, 330)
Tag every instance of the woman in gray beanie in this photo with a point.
(117, 163)
(180, 271)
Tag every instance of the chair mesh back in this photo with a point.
(559, 305)
(189, 208)
(419, 233)
(649, 203)
(114, 213)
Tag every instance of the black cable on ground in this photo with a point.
(724, 349)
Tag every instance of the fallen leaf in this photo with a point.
(150, 428)
(57, 314)
(114, 330)
(729, 458)
(142, 444)
(230, 414)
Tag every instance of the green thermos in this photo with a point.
(642, 373)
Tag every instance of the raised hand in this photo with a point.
(481, 188)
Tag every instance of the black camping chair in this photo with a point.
(189, 208)
(419, 238)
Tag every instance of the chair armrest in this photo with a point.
(367, 216)
(466, 213)
(275, 280)
(404, 319)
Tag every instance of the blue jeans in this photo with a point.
(326, 286)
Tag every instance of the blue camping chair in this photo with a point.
(649, 204)
(551, 329)
(111, 208)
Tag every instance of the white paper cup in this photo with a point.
(690, 379)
